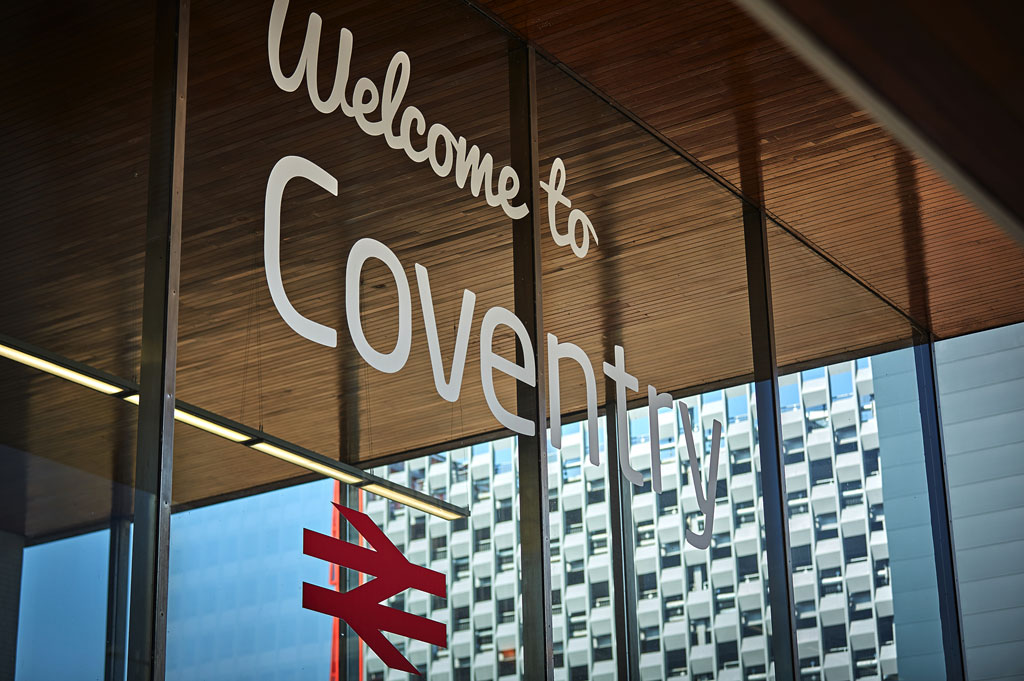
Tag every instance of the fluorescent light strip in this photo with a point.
(410, 501)
(58, 370)
(299, 460)
(209, 426)
(201, 423)
(227, 433)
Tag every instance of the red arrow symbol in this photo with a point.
(361, 607)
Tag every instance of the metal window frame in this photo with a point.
(147, 616)
(938, 504)
(534, 530)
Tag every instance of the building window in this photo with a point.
(740, 461)
(752, 622)
(482, 539)
(720, 546)
(700, 631)
(577, 625)
(670, 555)
(463, 672)
(481, 490)
(574, 521)
(503, 510)
(747, 567)
(482, 592)
(602, 646)
(460, 567)
(833, 638)
(506, 557)
(461, 618)
(506, 610)
(728, 654)
(694, 522)
(675, 608)
(460, 470)
(645, 533)
(830, 581)
(668, 502)
(598, 542)
(647, 585)
(725, 598)
(826, 526)
(595, 491)
(484, 640)
(801, 556)
(600, 594)
(417, 477)
(650, 639)
(574, 572)
(675, 662)
(855, 548)
(438, 548)
(697, 577)
(418, 528)
(806, 615)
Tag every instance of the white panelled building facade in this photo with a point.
(701, 614)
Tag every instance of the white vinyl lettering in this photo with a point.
(441, 146)
(705, 501)
(555, 187)
(489, 362)
(655, 401)
(363, 250)
(284, 170)
(379, 111)
(447, 389)
(436, 132)
(556, 352)
(623, 380)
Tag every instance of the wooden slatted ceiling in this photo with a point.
(693, 70)
(240, 124)
(818, 309)
(73, 178)
(74, 136)
(667, 280)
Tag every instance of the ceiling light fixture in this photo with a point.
(220, 426)
(64, 372)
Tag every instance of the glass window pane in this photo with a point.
(235, 588)
(480, 555)
(864, 580)
(702, 612)
(581, 577)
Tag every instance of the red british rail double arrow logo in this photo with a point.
(362, 607)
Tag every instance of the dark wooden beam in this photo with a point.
(941, 77)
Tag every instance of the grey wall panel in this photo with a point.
(981, 394)
(907, 518)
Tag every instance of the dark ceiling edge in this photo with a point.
(795, 35)
(695, 162)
